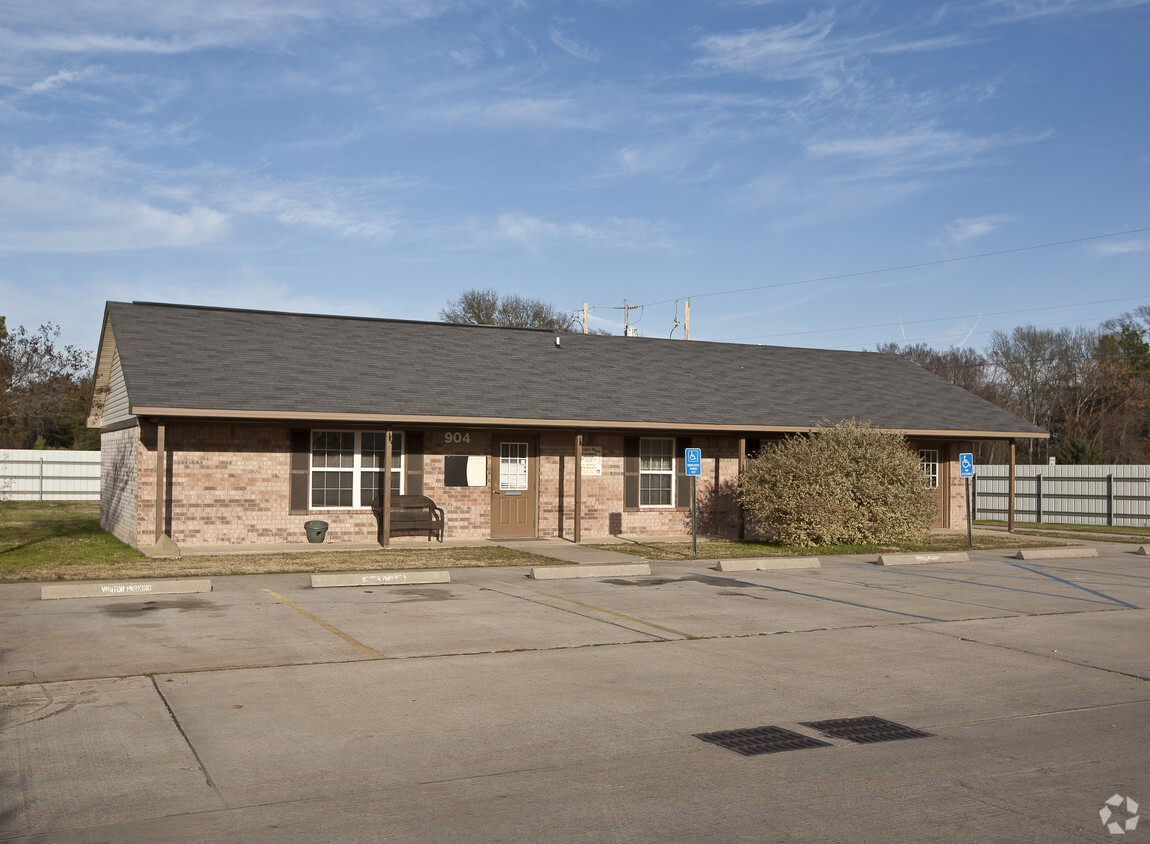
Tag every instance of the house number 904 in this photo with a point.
(456, 437)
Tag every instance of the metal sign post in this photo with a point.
(966, 471)
(693, 461)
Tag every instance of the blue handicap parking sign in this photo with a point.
(966, 465)
(693, 460)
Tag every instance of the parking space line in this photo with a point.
(1072, 583)
(355, 643)
(602, 610)
(1094, 572)
(987, 585)
(818, 597)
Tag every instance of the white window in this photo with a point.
(656, 472)
(346, 465)
(512, 466)
(929, 458)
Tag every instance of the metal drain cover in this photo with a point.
(755, 740)
(865, 730)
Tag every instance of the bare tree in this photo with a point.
(487, 307)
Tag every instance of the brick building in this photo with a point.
(222, 426)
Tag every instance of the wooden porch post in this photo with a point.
(1010, 493)
(161, 479)
(742, 469)
(578, 488)
(385, 491)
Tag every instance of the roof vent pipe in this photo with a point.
(556, 342)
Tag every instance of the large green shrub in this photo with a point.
(841, 485)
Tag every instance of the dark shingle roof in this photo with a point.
(256, 362)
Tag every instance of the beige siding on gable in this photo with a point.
(116, 406)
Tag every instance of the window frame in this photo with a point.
(931, 459)
(647, 472)
(359, 467)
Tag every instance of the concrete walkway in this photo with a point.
(560, 549)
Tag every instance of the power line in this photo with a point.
(934, 319)
(902, 267)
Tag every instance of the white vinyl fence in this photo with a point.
(1069, 495)
(38, 475)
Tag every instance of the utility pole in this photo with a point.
(687, 320)
(586, 330)
(626, 309)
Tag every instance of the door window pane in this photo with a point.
(929, 458)
(512, 466)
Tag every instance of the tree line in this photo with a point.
(44, 390)
(1090, 388)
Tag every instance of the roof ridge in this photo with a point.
(312, 315)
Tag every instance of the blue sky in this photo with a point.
(379, 158)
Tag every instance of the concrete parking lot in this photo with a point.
(500, 708)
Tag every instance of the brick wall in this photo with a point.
(118, 481)
(957, 486)
(229, 484)
(467, 510)
(603, 511)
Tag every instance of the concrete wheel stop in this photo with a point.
(565, 572)
(923, 559)
(379, 578)
(55, 591)
(1056, 553)
(768, 563)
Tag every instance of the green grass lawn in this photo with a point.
(58, 536)
(48, 541)
(1099, 531)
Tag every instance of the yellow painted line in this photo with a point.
(355, 643)
(600, 609)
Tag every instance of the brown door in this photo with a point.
(513, 489)
(936, 467)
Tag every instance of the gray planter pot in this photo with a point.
(316, 530)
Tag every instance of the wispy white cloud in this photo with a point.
(535, 234)
(74, 199)
(66, 200)
(511, 111)
(789, 51)
(572, 46)
(140, 26)
(1017, 10)
(966, 229)
(324, 207)
(57, 80)
(1120, 247)
(918, 150)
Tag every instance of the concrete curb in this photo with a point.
(564, 572)
(56, 591)
(768, 563)
(1056, 553)
(920, 559)
(379, 578)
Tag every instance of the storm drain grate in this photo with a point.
(755, 740)
(865, 730)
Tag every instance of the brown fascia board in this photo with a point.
(581, 424)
